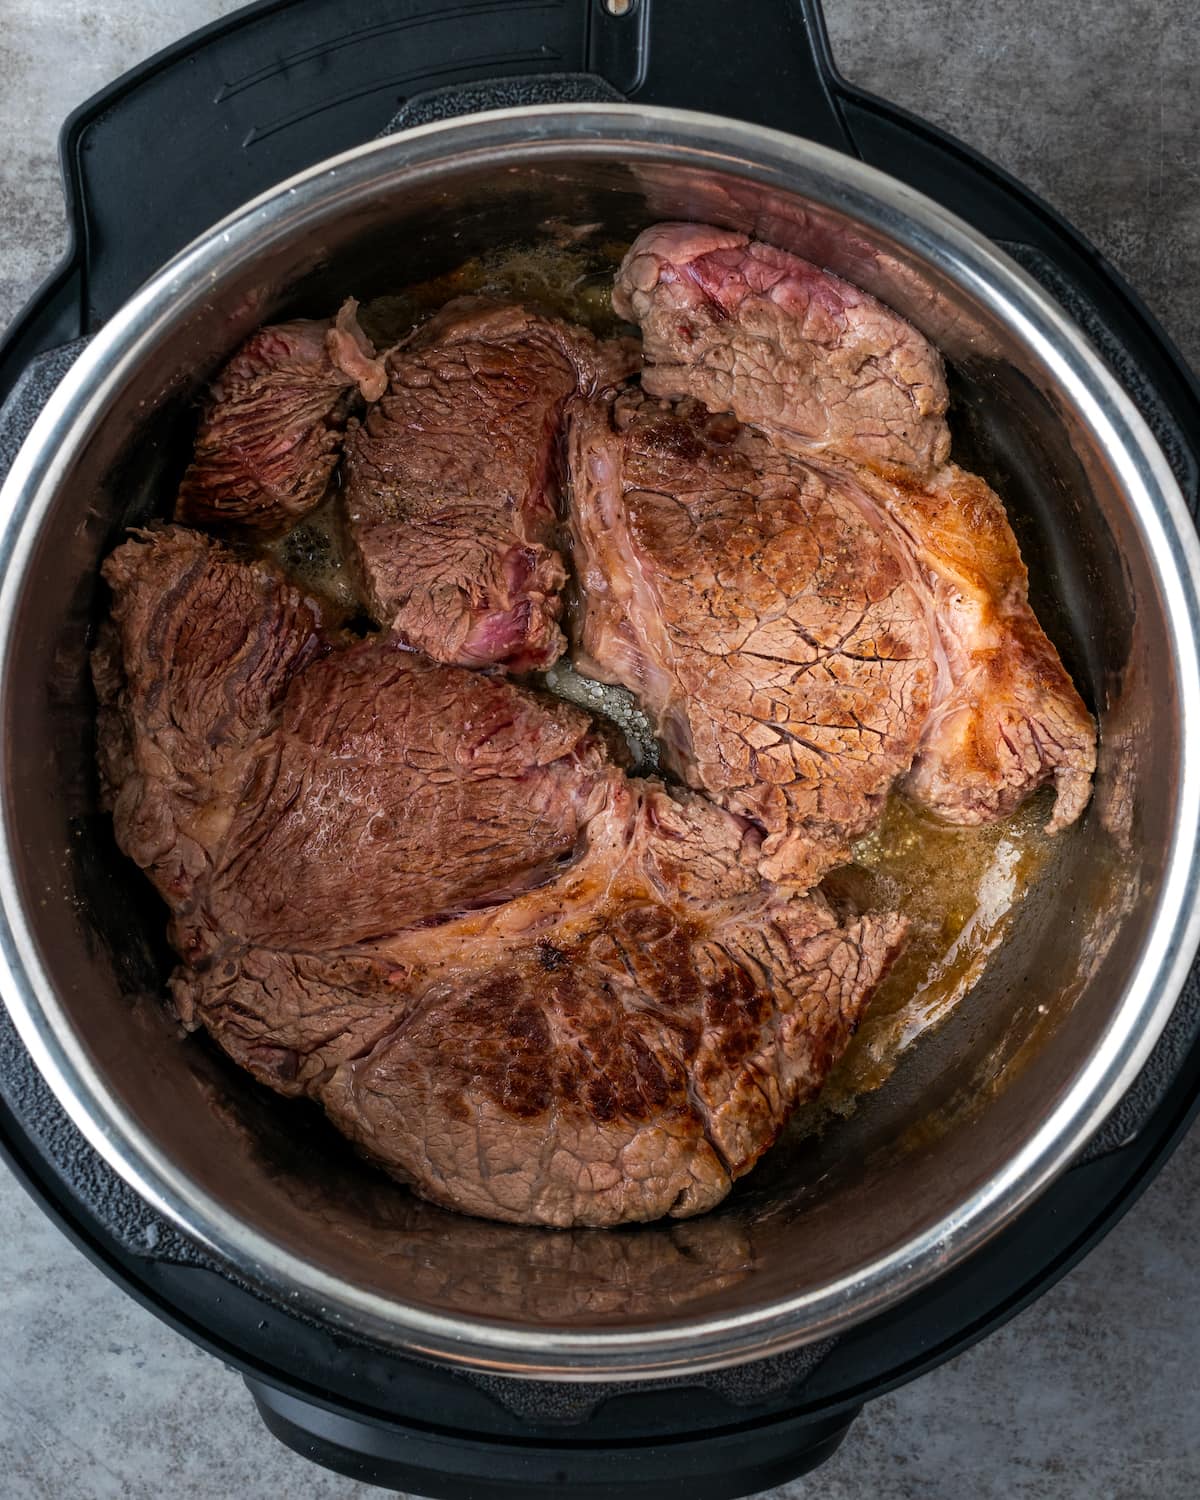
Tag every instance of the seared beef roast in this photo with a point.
(830, 375)
(535, 987)
(451, 486)
(273, 426)
(190, 669)
(773, 634)
(722, 315)
(616, 1045)
(532, 986)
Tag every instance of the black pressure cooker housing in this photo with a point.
(153, 161)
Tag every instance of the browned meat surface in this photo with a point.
(1006, 718)
(535, 988)
(274, 422)
(451, 483)
(252, 806)
(190, 671)
(721, 315)
(616, 1046)
(635, 1057)
(775, 636)
(395, 793)
(853, 390)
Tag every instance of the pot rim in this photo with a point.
(938, 239)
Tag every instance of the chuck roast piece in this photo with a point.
(1005, 716)
(451, 481)
(776, 637)
(617, 1045)
(531, 986)
(395, 793)
(621, 1045)
(190, 670)
(315, 808)
(273, 425)
(721, 314)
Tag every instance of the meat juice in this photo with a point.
(569, 281)
(961, 888)
(314, 554)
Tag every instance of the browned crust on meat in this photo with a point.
(190, 671)
(771, 632)
(1011, 719)
(620, 1046)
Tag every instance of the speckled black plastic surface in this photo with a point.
(32, 390)
(743, 1385)
(503, 93)
(107, 1198)
(1163, 1066)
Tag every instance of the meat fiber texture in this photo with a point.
(452, 481)
(829, 365)
(531, 986)
(274, 422)
(772, 633)
(780, 559)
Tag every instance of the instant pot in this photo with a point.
(712, 1357)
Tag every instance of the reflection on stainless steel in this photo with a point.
(544, 1276)
(1128, 744)
(827, 1231)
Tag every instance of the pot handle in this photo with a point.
(455, 1465)
(769, 63)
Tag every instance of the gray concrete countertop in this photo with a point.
(1094, 1391)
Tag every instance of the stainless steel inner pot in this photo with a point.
(973, 1124)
